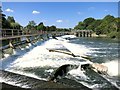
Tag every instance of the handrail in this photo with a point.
(12, 37)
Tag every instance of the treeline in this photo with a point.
(109, 25)
(10, 23)
(41, 27)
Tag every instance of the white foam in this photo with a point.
(27, 46)
(49, 70)
(76, 49)
(1, 79)
(78, 72)
(6, 55)
(68, 36)
(40, 57)
(113, 69)
(52, 43)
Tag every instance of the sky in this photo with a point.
(60, 14)
(60, 0)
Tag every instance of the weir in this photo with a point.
(35, 84)
(40, 62)
(83, 33)
(11, 38)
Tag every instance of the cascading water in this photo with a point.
(39, 63)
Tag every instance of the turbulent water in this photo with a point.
(36, 61)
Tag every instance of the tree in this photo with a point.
(15, 25)
(88, 21)
(107, 25)
(86, 24)
(41, 26)
(80, 26)
(0, 18)
(47, 28)
(53, 28)
(31, 25)
(10, 19)
(94, 25)
(5, 23)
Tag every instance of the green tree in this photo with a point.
(88, 21)
(80, 26)
(5, 23)
(107, 25)
(15, 25)
(41, 26)
(53, 28)
(47, 28)
(31, 25)
(11, 19)
(94, 25)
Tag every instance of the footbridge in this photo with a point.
(83, 33)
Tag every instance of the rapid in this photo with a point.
(37, 62)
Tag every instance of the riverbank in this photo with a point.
(101, 35)
(110, 35)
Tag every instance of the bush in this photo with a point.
(114, 34)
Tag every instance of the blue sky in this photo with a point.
(60, 14)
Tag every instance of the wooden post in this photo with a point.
(28, 40)
(3, 54)
(90, 33)
(5, 33)
(18, 32)
(12, 32)
(11, 45)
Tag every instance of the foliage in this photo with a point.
(109, 25)
(88, 21)
(5, 23)
(52, 28)
(41, 26)
(80, 26)
(15, 25)
(10, 19)
(9, 23)
(31, 25)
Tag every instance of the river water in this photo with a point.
(37, 62)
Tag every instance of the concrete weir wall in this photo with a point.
(36, 84)
(83, 33)
(14, 42)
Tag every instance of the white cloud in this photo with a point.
(79, 13)
(53, 24)
(91, 8)
(35, 12)
(9, 10)
(59, 21)
(106, 10)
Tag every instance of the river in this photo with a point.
(37, 62)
